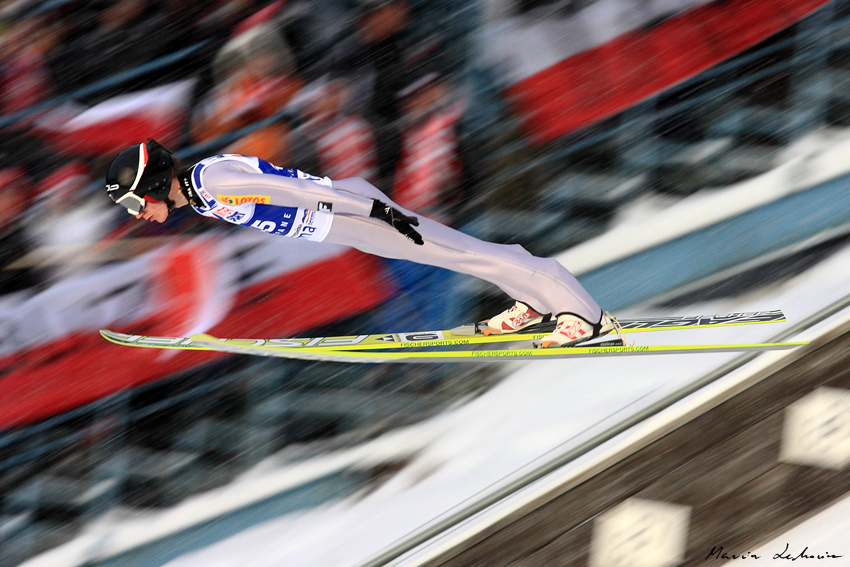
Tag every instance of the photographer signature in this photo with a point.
(718, 553)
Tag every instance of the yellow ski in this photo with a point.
(324, 354)
(459, 336)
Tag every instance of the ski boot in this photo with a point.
(572, 330)
(520, 316)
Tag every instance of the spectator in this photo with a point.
(21, 147)
(315, 31)
(428, 179)
(344, 141)
(65, 222)
(125, 35)
(375, 56)
(16, 191)
(182, 24)
(428, 176)
(254, 81)
(382, 28)
(25, 72)
(222, 17)
(217, 22)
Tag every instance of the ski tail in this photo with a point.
(648, 324)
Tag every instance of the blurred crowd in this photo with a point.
(339, 88)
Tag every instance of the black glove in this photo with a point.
(396, 219)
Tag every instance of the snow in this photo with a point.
(542, 408)
(825, 533)
(648, 222)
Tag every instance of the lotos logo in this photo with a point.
(240, 199)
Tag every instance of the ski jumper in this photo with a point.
(252, 192)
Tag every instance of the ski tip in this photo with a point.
(111, 336)
(201, 338)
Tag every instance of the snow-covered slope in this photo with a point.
(541, 408)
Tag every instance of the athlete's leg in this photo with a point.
(543, 283)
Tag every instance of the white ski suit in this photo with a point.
(252, 192)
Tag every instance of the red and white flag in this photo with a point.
(564, 73)
(244, 284)
(114, 124)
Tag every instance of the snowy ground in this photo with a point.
(542, 407)
(818, 538)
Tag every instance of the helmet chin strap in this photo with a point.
(185, 179)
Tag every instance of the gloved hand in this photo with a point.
(396, 219)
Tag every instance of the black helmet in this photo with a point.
(138, 171)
